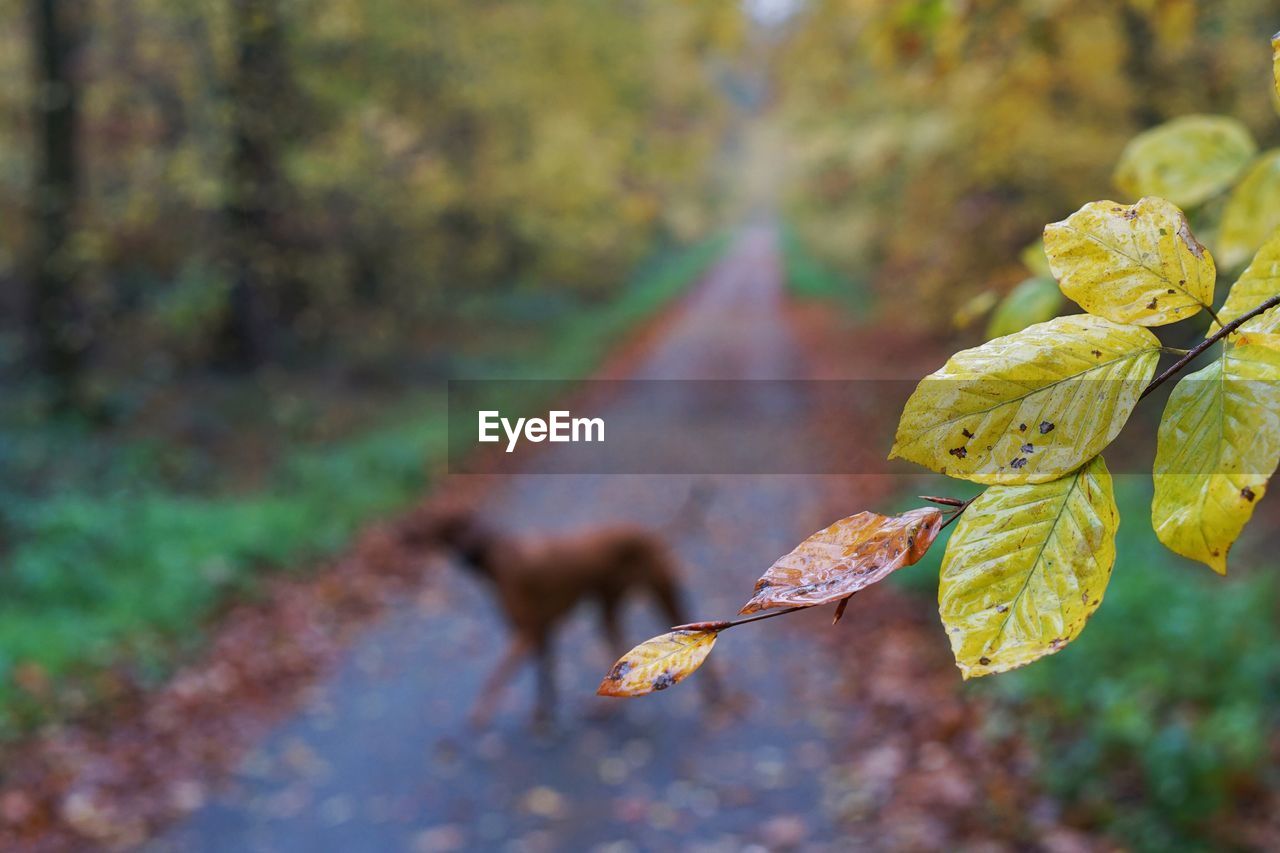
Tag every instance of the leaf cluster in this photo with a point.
(1029, 413)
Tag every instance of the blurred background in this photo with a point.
(244, 244)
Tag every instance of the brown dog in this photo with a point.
(538, 582)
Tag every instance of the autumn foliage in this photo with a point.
(1029, 413)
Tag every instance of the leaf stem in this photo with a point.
(959, 511)
(1222, 332)
(726, 624)
(844, 602)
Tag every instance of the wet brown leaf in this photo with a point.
(658, 663)
(851, 554)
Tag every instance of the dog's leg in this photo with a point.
(611, 626)
(667, 594)
(544, 709)
(487, 702)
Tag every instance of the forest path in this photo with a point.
(380, 757)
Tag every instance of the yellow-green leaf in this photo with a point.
(1131, 263)
(973, 308)
(1258, 283)
(1187, 160)
(1253, 212)
(658, 663)
(1219, 442)
(1026, 567)
(1031, 406)
(1033, 301)
(1033, 258)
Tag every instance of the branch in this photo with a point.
(726, 624)
(960, 506)
(1181, 363)
(1177, 367)
(959, 512)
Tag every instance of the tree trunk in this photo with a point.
(255, 192)
(1140, 68)
(60, 334)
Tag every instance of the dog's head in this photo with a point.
(457, 530)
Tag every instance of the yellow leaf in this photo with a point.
(1131, 263)
(850, 555)
(658, 663)
(1275, 60)
(1270, 340)
(1219, 442)
(1258, 283)
(1187, 160)
(1026, 567)
(1253, 211)
(1031, 406)
(1033, 301)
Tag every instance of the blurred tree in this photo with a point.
(297, 181)
(60, 332)
(261, 95)
(933, 137)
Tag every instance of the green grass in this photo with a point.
(809, 279)
(1159, 716)
(112, 563)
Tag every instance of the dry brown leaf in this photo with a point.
(658, 663)
(851, 554)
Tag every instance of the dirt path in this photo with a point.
(380, 757)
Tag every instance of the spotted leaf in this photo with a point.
(1135, 263)
(658, 663)
(1026, 568)
(1218, 444)
(1031, 406)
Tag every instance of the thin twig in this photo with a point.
(726, 624)
(959, 512)
(1178, 365)
(942, 501)
(844, 602)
